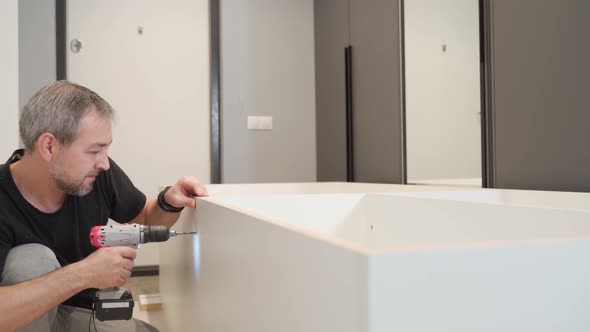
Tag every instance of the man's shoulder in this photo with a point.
(9, 214)
(5, 167)
(114, 167)
(6, 184)
(3, 172)
(7, 203)
(112, 177)
(4, 188)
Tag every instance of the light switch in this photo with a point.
(266, 122)
(252, 123)
(259, 122)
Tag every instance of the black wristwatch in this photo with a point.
(165, 206)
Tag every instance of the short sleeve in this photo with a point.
(126, 200)
(5, 246)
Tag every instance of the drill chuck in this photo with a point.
(155, 234)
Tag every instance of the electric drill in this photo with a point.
(117, 303)
(130, 235)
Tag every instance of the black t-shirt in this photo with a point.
(65, 231)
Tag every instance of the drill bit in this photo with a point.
(175, 233)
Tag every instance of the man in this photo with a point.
(51, 194)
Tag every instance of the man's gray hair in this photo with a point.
(57, 109)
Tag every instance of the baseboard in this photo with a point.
(145, 270)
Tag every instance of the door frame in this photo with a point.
(487, 128)
(215, 81)
(60, 39)
(487, 123)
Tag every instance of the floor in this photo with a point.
(143, 285)
(146, 285)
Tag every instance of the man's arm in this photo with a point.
(22, 303)
(181, 194)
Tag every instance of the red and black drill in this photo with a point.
(117, 303)
(130, 235)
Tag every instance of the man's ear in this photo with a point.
(47, 146)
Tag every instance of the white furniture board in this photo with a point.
(244, 274)
(248, 189)
(456, 182)
(312, 263)
(532, 198)
(541, 287)
(372, 222)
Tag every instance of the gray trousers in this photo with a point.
(30, 261)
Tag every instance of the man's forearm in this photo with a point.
(22, 303)
(182, 194)
(156, 216)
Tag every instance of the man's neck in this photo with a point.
(33, 180)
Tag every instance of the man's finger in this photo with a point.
(201, 191)
(127, 252)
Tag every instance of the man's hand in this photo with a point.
(182, 192)
(180, 195)
(109, 267)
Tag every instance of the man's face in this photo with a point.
(76, 166)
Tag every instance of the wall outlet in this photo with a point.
(260, 123)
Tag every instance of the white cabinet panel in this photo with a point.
(376, 262)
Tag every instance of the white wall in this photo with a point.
(8, 78)
(267, 69)
(442, 89)
(158, 83)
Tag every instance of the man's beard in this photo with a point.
(69, 186)
(72, 188)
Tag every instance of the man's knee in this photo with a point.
(26, 262)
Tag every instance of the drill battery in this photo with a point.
(113, 304)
